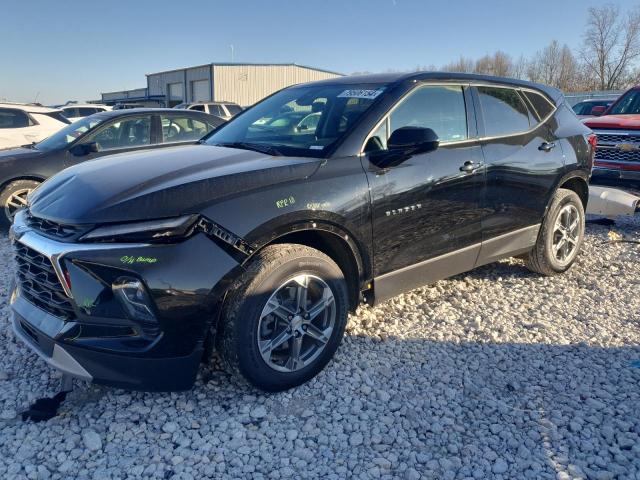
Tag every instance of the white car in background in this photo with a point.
(24, 124)
(223, 110)
(76, 111)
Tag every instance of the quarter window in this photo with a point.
(503, 111)
(542, 106)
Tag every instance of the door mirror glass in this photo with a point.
(598, 110)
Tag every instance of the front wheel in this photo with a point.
(560, 236)
(284, 318)
(14, 198)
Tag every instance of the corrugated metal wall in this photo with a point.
(247, 84)
(158, 82)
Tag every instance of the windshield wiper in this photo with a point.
(256, 147)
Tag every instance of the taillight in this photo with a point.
(593, 140)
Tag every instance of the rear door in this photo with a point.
(426, 218)
(523, 162)
(18, 128)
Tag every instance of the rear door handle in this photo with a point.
(470, 166)
(547, 146)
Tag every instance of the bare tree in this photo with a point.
(555, 65)
(611, 44)
(462, 65)
(499, 64)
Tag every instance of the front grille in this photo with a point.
(39, 283)
(53, 229)
(618, 146)
(616, 155)
(614, 138)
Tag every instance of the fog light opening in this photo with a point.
(134, 298)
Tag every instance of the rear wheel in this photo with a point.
(560, 236)
(284, 318)
(14, 198)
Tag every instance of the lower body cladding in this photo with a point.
(125, 315)
(616, 173)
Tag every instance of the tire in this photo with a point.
(544, 258)
(16, 190)
(275, 276)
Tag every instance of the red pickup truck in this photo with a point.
(618, 130)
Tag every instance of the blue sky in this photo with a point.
(68, 49)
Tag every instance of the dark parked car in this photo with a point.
(591, 108)
(259, 241)
(23, 169)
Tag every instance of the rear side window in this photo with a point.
(217, 110)
(86, 111)
(233, 109)
(199, 108)
(10, 118)
(541, 105)
(182, 129)
(70, 112)
(503, 111)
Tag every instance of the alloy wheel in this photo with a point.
(16, 201)
(296, 323)
(566, 234)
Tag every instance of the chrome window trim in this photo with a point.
(525, 132)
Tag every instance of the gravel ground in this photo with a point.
(497, 373)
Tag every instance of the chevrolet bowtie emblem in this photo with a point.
(628, 147)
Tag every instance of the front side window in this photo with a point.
(182, 129)
(10, 118)
(304, 120)
(125, 133)
(69, 134)
(503, 111)
(86, 111)
(629, 104)
(70, 112)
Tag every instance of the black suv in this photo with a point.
(261, 239)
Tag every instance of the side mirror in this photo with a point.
(82, 149)
(598, 110)
(403, 143)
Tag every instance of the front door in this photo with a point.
(425, 211)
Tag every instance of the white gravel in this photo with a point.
(497, 373)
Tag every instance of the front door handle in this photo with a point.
(470, 166)
(547, 146)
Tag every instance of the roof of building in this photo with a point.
(241, 64)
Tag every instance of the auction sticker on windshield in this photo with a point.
(370, 94)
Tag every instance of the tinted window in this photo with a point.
(217, 110)
(182, 129)
(578, 108)
(628, 104)
(70, 112)
(440, 108)
(14, 119)
(233, 109)
(86, 111)
(503, 111)
(541, 104)
(199, 108)
(130, 132)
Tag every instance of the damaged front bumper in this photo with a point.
(68, 305)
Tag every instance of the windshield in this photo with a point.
(69, 134)
(628, 104)
(302, 121)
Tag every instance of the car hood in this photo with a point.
(631, 122)
(9, 155)
(160, 183)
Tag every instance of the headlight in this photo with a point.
(154, 231)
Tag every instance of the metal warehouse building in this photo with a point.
(243, 83)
